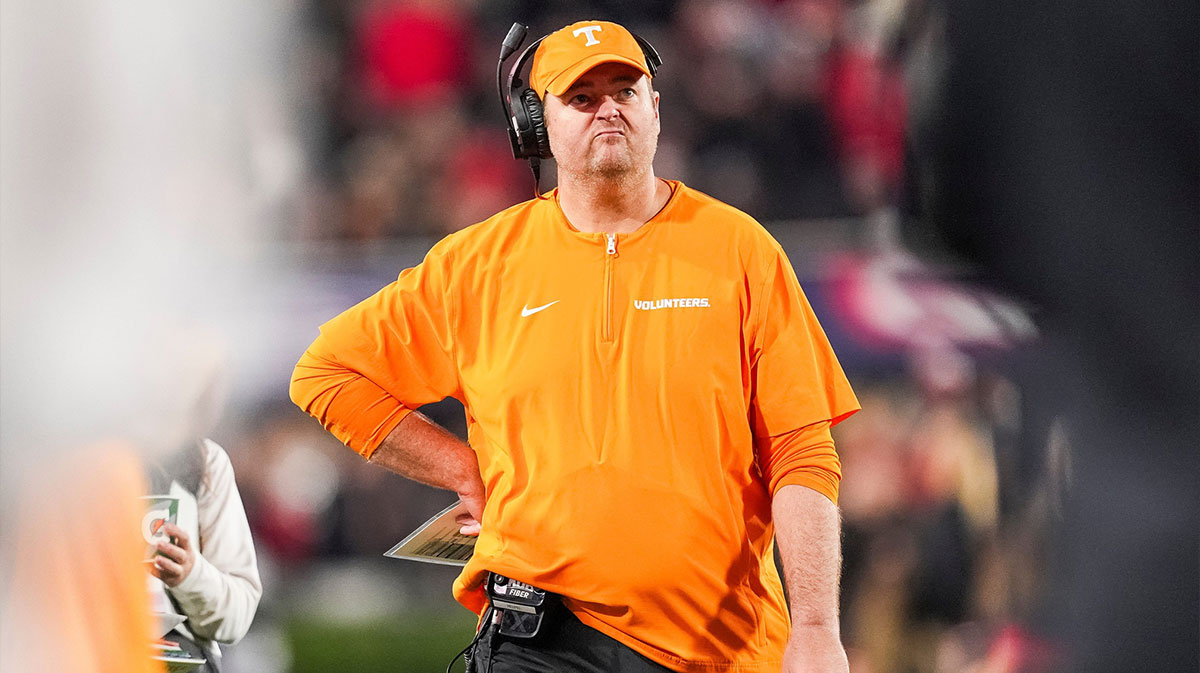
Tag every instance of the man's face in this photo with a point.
(606, 124)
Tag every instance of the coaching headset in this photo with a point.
(523, 107)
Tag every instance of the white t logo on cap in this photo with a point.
(589, 30)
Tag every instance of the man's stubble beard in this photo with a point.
(613, 168)
(630, 165)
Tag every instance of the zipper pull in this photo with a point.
(612, 244)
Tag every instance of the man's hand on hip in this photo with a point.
(471, 520)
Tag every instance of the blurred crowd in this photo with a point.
(786, 109)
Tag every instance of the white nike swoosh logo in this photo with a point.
(526, 311)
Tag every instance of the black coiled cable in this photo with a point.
(483, 625)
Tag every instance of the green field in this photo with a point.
(414, 645)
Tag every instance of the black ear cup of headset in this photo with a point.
(523, 107)
(530, 138)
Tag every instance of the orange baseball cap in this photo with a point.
(571, 51)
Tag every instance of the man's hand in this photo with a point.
(173, 562)
(470, 521)
(815, 649)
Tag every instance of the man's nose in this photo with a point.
(608, 108)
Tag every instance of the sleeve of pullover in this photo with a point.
(381, 358)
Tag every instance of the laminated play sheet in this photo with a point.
(437, 540)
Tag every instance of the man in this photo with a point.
(648, 398)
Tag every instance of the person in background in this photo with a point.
(207, 563)
(206, 567)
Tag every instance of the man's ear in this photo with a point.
(656, 97)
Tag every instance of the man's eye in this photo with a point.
(628, 92)
(580, 99)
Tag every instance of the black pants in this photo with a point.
(562, 645)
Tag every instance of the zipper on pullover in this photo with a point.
(610, 254)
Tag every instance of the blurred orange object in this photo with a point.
(77, 599)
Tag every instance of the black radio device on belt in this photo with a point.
(520, 607)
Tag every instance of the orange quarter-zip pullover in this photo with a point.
(634, 400)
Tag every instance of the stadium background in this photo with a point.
(963, 190)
